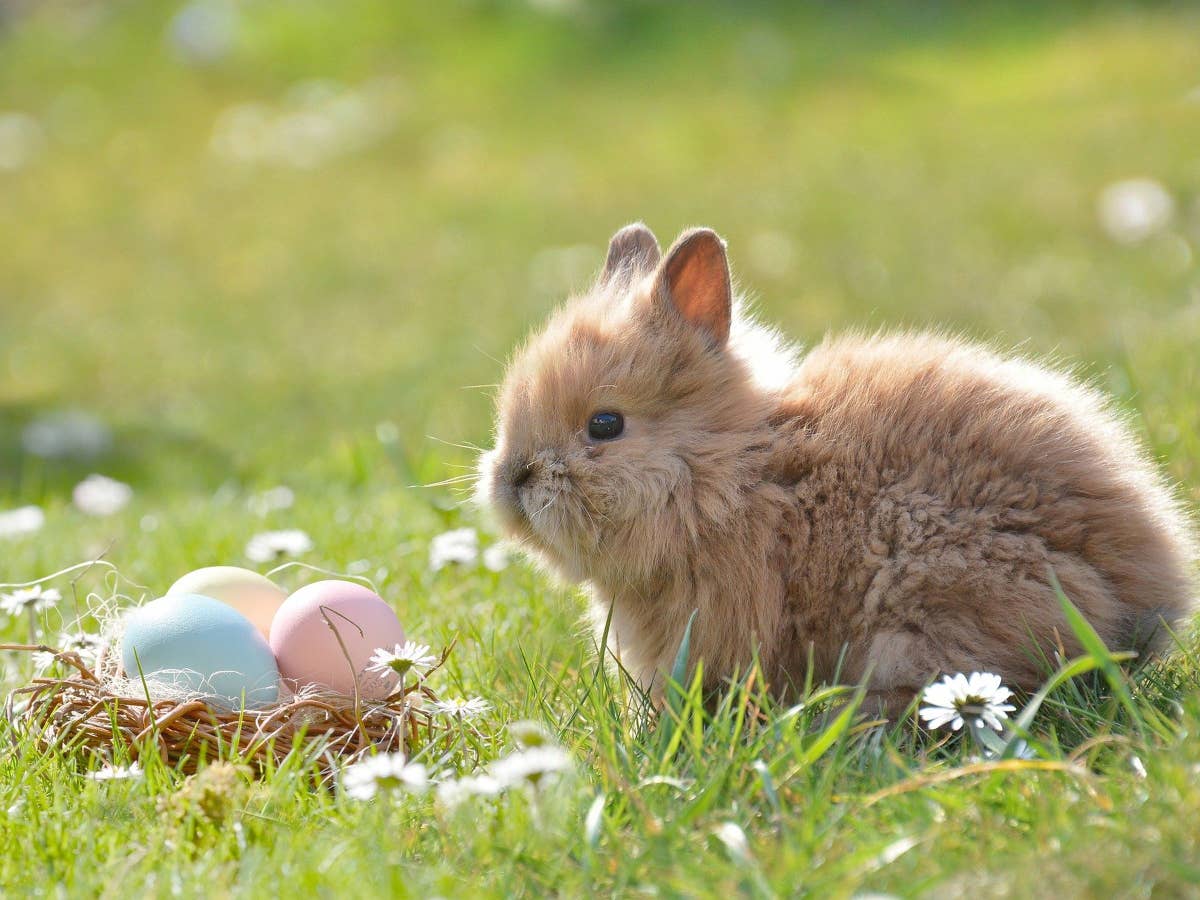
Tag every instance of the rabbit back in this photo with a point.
(932, 487)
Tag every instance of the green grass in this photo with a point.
(242, 326)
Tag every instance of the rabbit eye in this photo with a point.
(605, 426)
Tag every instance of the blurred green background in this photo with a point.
(290, 242)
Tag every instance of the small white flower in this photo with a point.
(496, 558)
(453, 793)
(88, 646)
(116, 773)
(459, 546)
(35, 599)
(20, 521)
(70, 433)
(383, 772)
(43, 660)
(977, 699)
(407, 657)
(387, 432)
(531, 766)
(204, 31)
(268, 501)
(21, 138)
(460, 708)
(98, 495)
(272, 545)
(1132, 210)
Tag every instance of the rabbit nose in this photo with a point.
(522, 474)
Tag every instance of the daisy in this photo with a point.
(88, 646)
(269, 546)
(1134, 209)
(407, 657)
(383, 772)
(21, 139)
(98, 495)
(68, 434)
(116, 773)
(495, 558)
(29, 600)
(281, 497)
(453, 793)
(977, 699)
(460, 708)
(20, 521)
(531, 766)
(459, 546)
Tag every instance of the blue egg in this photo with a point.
(198, 645)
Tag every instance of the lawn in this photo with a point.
(268, 244)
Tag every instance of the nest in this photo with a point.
(96, 709)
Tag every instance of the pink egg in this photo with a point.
(308, 652)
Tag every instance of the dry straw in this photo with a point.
(97, 709)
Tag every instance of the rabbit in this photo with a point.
(882, 509)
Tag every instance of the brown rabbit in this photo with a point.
(885, 508)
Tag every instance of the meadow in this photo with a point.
(251, 245)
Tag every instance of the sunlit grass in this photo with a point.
(241, 325)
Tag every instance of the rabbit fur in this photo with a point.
(881, 509)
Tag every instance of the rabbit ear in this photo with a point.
(632, 252)
(694, 280)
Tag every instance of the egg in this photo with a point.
(201, 646)
(308, 651)
(254, 596)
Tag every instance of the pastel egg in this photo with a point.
(255, 596)
(310, 653)
(199, 646)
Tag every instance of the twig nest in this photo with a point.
(102, 710)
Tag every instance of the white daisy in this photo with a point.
(116, 773)
(20, 521)
(269, 546)
(281, 497)
(70, 433)
(459, 546)
(35, 599)
(460, 708)
(407, 657)
(453, 793)
(496, 558)
(88, 646)
(531, 766)
(99, 495)
(21, 139)
(383, 772)
(1134, 209)
(977, 699)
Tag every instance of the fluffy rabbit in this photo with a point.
(885, 507)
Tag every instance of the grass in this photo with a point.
(243, 325)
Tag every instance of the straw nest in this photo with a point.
(97, 709)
